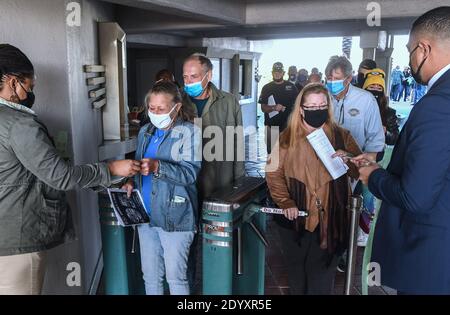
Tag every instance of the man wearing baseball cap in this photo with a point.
(277, 99)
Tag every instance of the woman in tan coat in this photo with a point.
(298, 180)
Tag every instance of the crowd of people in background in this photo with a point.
(404, 87)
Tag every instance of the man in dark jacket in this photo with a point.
(34, 215)
(412, 234)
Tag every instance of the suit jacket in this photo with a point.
(412, 234)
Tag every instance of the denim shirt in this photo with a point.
(174, 191)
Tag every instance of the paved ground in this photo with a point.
(403, 109)
(276, 277)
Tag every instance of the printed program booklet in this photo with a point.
(129, 211)
(320, 143)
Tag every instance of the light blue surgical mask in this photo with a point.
(336, 87)
(195, 89)
(161, 121)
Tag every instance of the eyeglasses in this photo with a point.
(314, 108)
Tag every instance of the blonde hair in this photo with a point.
(296, 128)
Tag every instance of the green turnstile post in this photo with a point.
(122, 273)
(115, 273)
(233, 241)
(251, 278)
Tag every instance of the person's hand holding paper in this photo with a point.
(277, 107)
(345, 156)
(280, 108)
(325, 151)
(128, 186)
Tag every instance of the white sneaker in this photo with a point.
(362, 238)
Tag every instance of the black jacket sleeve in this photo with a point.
(391, 126)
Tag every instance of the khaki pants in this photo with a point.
(22, 274)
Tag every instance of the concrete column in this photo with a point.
(371, 41)
(378, 46)
(369, 53)
(235, 62)
(384, 61)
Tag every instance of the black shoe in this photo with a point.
(342, 265)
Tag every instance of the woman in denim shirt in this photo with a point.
(168, 148)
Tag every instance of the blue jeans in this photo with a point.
(419, 92)
(369, 200)
(164, 253)
(395, 92)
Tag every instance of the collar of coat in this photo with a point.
(16, 106)
(214, 95)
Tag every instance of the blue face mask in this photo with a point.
(336, 87)
(195, 89)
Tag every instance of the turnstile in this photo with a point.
(233, 239)
(121, 255)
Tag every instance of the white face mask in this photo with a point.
(161, 121)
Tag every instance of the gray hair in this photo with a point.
(204, 61)
(339, 62)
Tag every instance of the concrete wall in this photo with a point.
(143, 65)
(58, 53)
(86, 123)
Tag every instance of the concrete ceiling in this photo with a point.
(215, 11)
(264, 19)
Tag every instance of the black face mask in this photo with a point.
(316, 118)
(302, 78)
(29, 101)
(378, 94)
(416, 74)
(292, 78)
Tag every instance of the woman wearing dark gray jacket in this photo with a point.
(34, 216)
